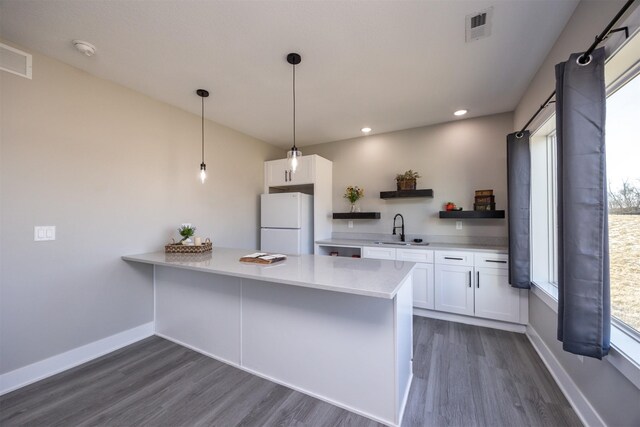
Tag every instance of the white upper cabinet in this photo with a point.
(278, 174)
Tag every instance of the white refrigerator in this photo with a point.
(286, 221)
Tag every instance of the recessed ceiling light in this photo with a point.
(460, 113)
(365, 130)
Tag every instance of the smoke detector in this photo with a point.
(85, 48)
(478, 25)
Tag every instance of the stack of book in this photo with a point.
(484, 201)
(263, 258)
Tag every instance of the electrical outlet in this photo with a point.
(458, 225)
(350, 224)
(42, 233)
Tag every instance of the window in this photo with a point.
(623, 177)
(544, 232)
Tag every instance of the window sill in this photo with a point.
(625, 349)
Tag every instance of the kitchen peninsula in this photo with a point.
(336, 328)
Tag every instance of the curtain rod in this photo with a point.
(584, 59)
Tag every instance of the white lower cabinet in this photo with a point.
(494, 297)
(477, 286)
(379, 253)
(454, 289)
(423, 292)
(460, 282)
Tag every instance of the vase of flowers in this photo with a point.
(353, 194)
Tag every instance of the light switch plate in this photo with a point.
(458, 225)
(43, 233)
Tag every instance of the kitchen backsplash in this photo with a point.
(472, 240)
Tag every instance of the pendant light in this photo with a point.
(293, 154)
(203, 168)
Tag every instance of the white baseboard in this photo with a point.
(476, 321)
(61, 362)
(577, 400)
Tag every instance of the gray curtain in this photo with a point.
(584, 313)
(519, 195)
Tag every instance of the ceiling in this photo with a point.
(389, 65)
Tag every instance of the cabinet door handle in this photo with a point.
(495, 260)
(290, 176)
(478, 279)
(285, 176)
(469, 278)
(457, 259)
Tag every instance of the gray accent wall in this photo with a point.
(116, 172)
(454, 159)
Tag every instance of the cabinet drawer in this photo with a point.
(379, 253)
(415, 255)
(454, 258)
(489, 260)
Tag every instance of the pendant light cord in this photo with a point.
(202, 129)
(294, 107)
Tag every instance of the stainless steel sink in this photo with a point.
(402, 243)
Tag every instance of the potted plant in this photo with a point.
(353, 194)
(407, 180)
(186, 231)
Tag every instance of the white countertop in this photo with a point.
(368, 277)
(432, 246)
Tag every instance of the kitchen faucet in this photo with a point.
(401, 226)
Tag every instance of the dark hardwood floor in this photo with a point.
(463, 376)
(471, 376)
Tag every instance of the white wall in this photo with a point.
(453, 158)
(588, 20)
(116, 172)
(612, 396)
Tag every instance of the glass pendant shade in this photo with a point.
(203, 172)
(292, 157)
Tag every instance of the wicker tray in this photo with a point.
(179, 248)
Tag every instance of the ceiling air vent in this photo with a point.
(478, 25)
(15, 61)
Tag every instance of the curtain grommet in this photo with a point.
(589, 58)
(519, 135)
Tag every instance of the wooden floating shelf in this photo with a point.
(356, 215)
(472, 214)
(406, 193)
